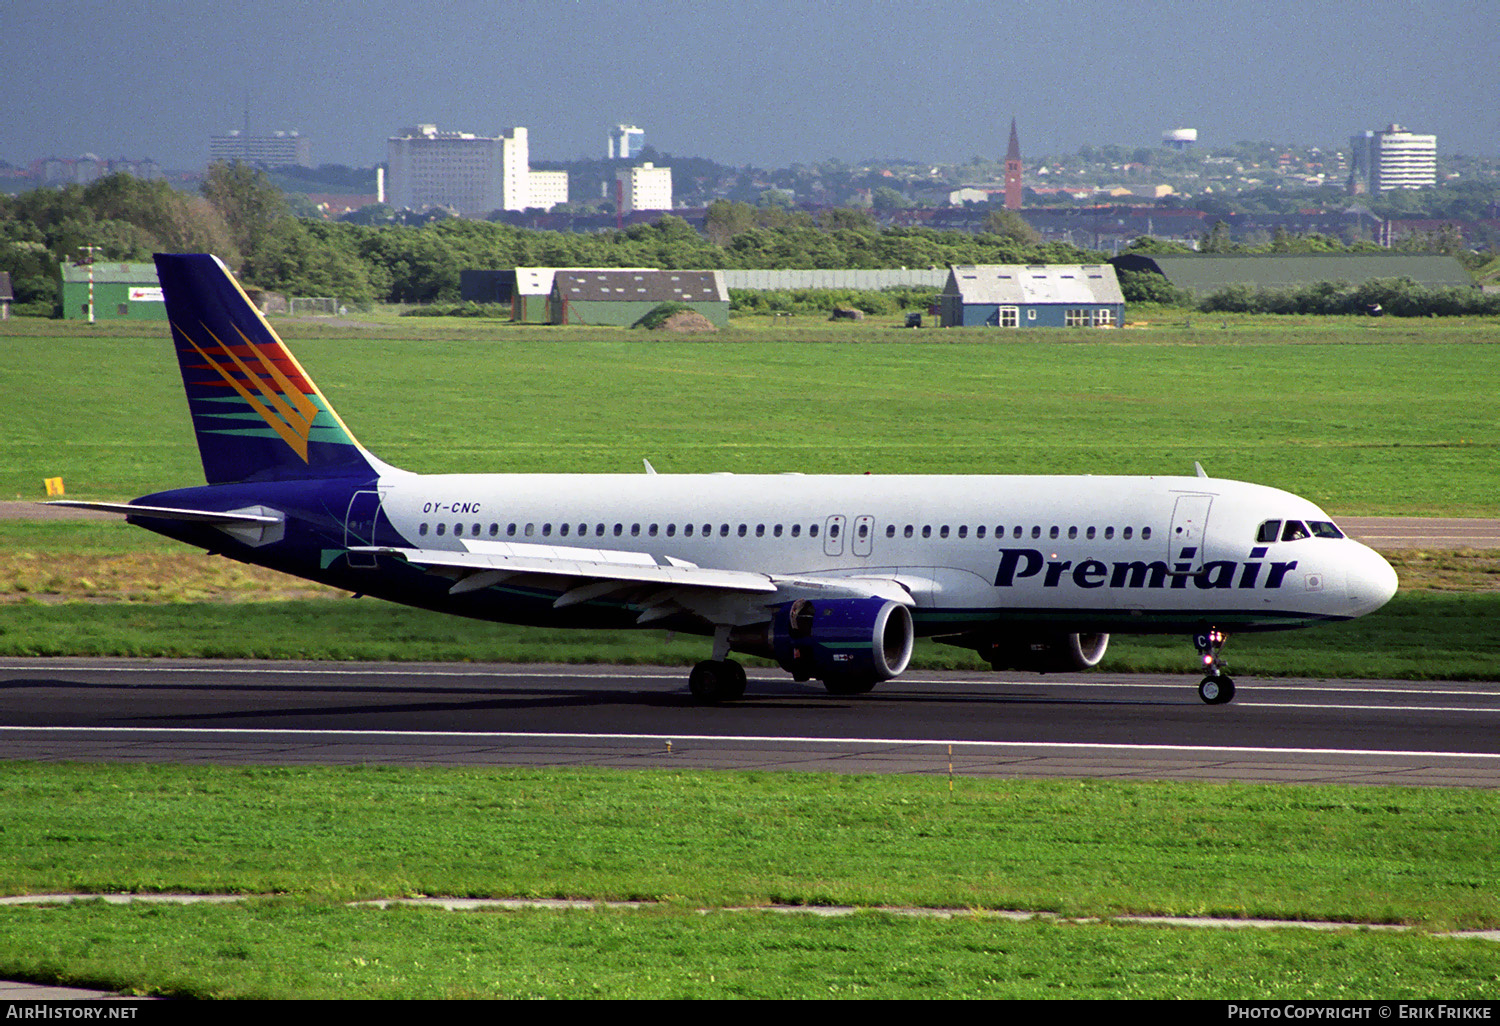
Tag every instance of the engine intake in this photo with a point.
(853, 643)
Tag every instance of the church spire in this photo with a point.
(1013, 170)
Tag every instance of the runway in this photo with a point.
(1135, 727)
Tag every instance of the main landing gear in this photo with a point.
(717, 680)
(1218, 687)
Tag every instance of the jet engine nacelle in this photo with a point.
(853, 643)
(1047, 653)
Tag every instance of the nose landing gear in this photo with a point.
(1218, 687)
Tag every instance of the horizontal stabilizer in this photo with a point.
(199, 516)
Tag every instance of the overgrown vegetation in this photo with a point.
(1399, 297)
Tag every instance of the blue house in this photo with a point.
(1042, 296)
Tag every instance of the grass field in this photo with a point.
(1364, 420)
(1363, 416)
(316, 838)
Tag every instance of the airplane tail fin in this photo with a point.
(257, 414)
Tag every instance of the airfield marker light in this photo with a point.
(669, 748)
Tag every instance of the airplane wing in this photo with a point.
(670, 587)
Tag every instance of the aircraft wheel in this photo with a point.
(736, 679)
(1216, 689)
(717, 680)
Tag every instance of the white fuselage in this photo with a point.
(1109, 548)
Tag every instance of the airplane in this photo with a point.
(833, 577)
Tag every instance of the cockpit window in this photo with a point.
(1294, 530)
(1268, 531)
(1323, 529)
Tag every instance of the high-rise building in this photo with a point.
(470, 174)
(626, 142)
(1392, 159)
(644, 188)
(279, 149)
(1013, 170)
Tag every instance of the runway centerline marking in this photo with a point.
(481, 736)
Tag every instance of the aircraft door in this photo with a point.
(863, 540)
(833, 535)
(1189, 534)
(359, 526)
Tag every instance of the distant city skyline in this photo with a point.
(764, 82)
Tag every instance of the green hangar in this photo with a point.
(128, 291)
(622, 297)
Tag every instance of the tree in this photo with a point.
(1008, 224)
(250, 205)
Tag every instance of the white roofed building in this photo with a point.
(1032, 296)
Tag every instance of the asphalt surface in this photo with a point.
(1140, 727)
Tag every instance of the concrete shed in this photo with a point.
(1032, 296)
(622, 297)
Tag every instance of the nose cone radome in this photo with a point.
(1371, 581)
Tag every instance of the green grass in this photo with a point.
(288, 949)
(1364, 417)
(1403, 425)
(322, 836)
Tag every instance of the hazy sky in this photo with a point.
(768, 82)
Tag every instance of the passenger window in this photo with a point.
(619, 530)
(458, 530)
(1145, 533)
(510, 530)
(1109, 533)
(1053, 532)
(1089, 534)
(926, 530)
(546, 530)
(963, 531)
(979, 531)
(812, 530)
(890, 530)
(910, 530)
(652, 531)
(563, 530)
(1072, 532)
(671, 530)
(743, 530)
(422, 530)
(1036, 531)
(1293, 531)
(635, 530)
(1126, 533)
(943, 531)
(760, 530)
(442, 530)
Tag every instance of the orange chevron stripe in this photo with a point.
(288, 411)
